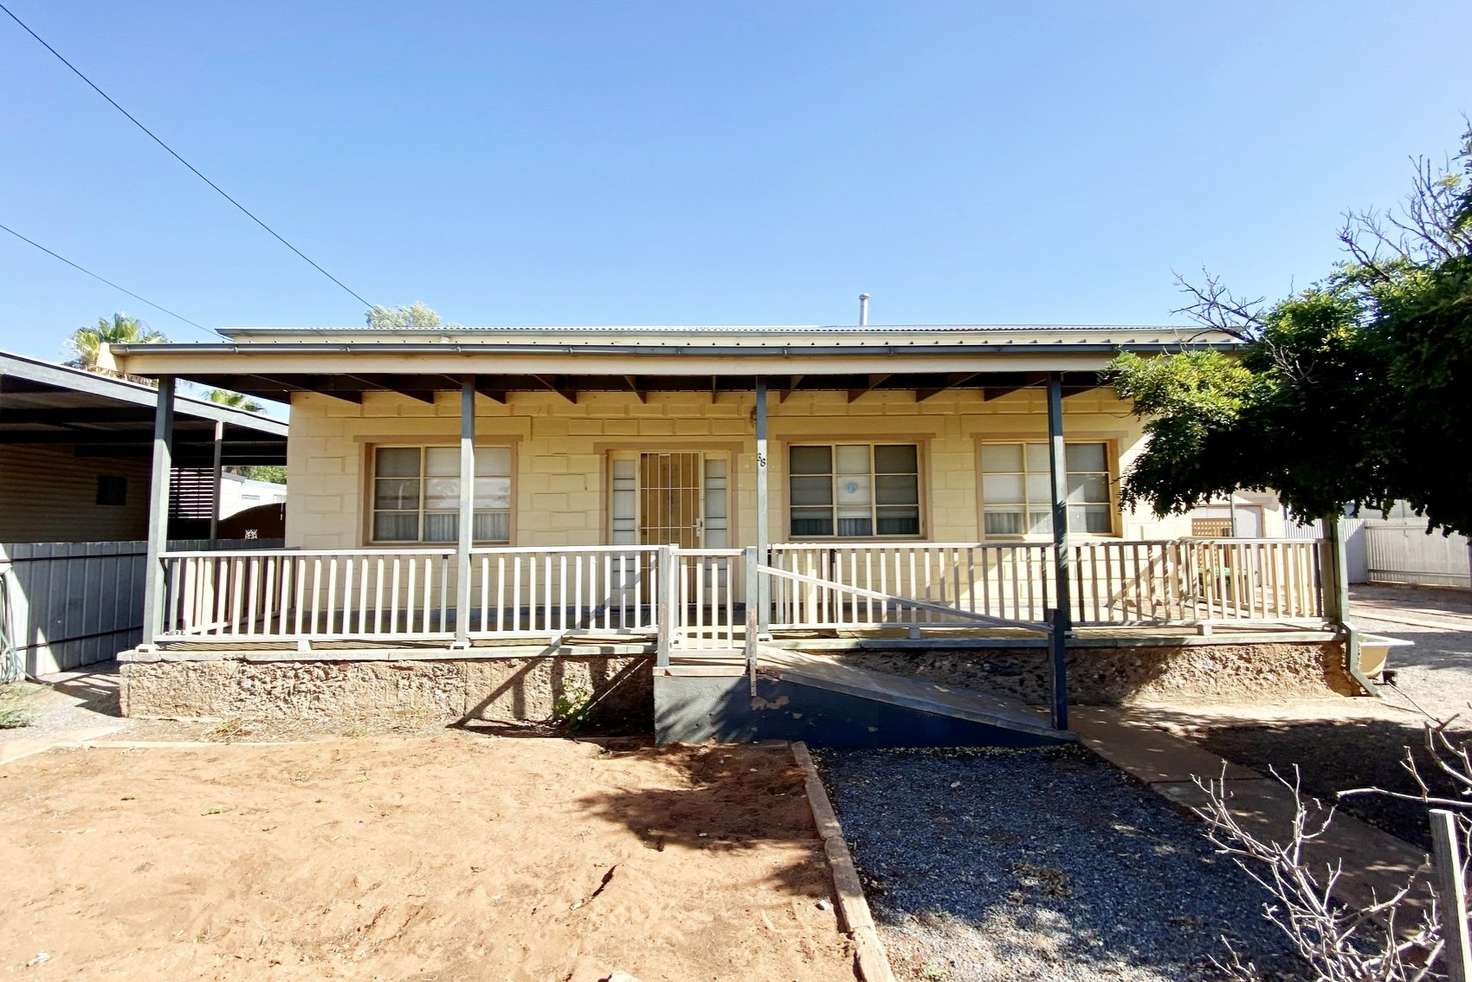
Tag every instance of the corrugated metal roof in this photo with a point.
(716, 329)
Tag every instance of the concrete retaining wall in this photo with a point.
(524, 690)
(1211, 672)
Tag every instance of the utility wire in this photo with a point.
(104, 279)
(172, 152)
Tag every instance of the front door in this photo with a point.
(670, 500)
(668, 496)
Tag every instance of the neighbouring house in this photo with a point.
(237, 493)
(709, 522)
(76, 449)
(1248, 514)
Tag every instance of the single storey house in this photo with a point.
(698, 502)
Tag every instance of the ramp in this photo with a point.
(829, 704)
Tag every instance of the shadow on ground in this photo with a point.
(709, 798)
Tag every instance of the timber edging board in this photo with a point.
(870, 961)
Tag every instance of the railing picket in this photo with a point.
(547, 592)
(501, 594)
(562, 591)
(485, 593)
(316, 595)
(251, 594)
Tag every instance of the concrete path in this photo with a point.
(1376, 863)
(69, 709)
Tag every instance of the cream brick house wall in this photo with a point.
(560, 451)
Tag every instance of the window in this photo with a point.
(416, 494)
(112, 489)
(1016, 494)
(854, 490)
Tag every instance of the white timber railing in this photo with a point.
(1007, 581)
(1112, 582)
(707, 598)
(551, 591)
(308, 594)
(697, 598)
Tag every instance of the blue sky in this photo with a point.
(702, 163)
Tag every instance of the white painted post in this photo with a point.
(749, 559)
(1451, 895)
(1058, 471)
(669, 590)
(215, 482)
(467, 514)
(763, 587)
(158, 511)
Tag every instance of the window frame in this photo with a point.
(371, 489)
(1111, 461)
(832, 444)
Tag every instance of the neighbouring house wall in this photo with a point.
(239, 493)
(47, 494)
(560, 450)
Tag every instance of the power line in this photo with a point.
(103, 279)
(172, 152)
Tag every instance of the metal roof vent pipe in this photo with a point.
(863, 310)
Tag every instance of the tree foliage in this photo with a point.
(274, 473)
(1356, 391)
(86, 342)
(235, 400)
(415, 316)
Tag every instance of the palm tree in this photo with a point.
(85, 342)
(235, 400)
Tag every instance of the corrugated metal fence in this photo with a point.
(1404, 553)
(68, 604)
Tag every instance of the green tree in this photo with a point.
(275, 473)
(1356, 391)
(235, 400)
(86, 342)
(416, 315)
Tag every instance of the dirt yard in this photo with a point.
(456, 855)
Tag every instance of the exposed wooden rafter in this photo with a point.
(553, 383)
(409, 386)
(949, 382)
(873, 383)
(494, 391)
(633, 384)
(793, 382)
(1028, 381)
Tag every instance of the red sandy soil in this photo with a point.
(455, 855)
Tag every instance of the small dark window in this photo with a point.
(112, 489)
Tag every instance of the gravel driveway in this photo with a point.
(1038, 864)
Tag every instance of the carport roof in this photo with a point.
(47, 404)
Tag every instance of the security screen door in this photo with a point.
(662, 497)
